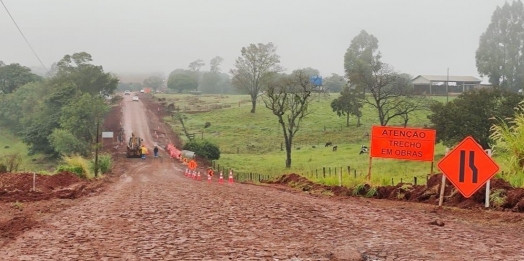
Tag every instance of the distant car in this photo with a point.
(127, 92)
(135, 98)
(142, 91)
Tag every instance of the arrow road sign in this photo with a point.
(468, 167)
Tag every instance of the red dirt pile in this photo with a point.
(507, 198)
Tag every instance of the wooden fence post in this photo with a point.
(324, 171)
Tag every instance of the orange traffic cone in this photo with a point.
(194, 174)
(186, 173)
(199, 178)
(230, 177)
(208, 178)
(221, 178)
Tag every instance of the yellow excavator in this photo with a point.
(133, 147)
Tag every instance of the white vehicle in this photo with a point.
(135, 98)
(142, 91)
(127, 92)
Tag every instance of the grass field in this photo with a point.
(252, 142)
(10, 145)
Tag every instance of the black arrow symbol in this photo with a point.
(472, 166)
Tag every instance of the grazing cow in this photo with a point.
(363, 149)
(335, 148)
(329, 144)
(313, 146)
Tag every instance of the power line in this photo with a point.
(1, 1)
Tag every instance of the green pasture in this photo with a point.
(11, 145)
(252, 142)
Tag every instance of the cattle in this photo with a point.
(329, 143)
(363, 149)
(313, 146)
(335, 148)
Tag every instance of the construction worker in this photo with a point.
(143, 150)
(155, 151)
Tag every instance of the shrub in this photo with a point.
(3, 168)
(204, 149)
(73, 169)
(105, 162)
(10, 163)
(75, 163)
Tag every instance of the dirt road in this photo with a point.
(155, 213)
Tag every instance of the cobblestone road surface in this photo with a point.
(162, 215)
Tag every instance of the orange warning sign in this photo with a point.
(192, 165)
(210, 172)
(468, 167)
(402, 143)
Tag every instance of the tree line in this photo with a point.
(60, 113)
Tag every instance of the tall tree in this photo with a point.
(87, 77)
(15, 75)
(366, 72)
(254, 68)
(472, 113)
(288, 97)
(212, 80)
(348, 104)
(154, 82)
(215, 64)
(500, 54)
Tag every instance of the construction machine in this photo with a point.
(134, 147)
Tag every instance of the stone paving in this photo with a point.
(162, 215)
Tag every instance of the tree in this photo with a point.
(500, 54)
(472, 113)
(181, 82)
(196, 65)
(87, 77)
(388, 89)
(46, 118)
(348, 104)
(154, 82)
(80, 116)
(254, 68)
(212, 80)
(65, 143)
(288, 97)
(14, 75)
(215, 64)
(334, 83)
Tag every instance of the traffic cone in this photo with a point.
(230, 177)
(208, 178)
(194, 174)
(186, 173)
(221, 178)
(199, 178)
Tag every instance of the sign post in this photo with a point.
(468, 167)
(401, 143)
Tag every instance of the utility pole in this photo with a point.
(96, 146)
(447, 92)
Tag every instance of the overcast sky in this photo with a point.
(415, 36)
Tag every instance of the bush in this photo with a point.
(78, 165)
(3, 168)
(105, 162)
(10, 163)
(73, 169)
(204, 149)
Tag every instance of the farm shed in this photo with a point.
(436, 84)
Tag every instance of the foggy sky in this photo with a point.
(415, 36)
